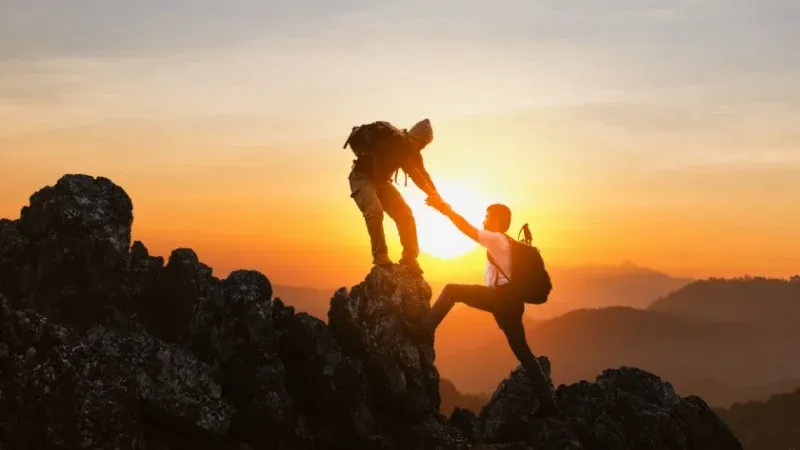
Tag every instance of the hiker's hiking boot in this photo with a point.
(412, 265)
(548, 405)
(382, 261)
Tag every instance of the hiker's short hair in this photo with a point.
(502, 214)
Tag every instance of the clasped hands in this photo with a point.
(436, 202)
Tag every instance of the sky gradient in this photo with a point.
(659, 132)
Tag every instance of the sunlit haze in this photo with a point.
(664, 133)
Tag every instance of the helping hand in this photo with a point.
(436, 202)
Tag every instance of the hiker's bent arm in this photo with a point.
(461, 223)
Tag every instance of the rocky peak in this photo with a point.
(103, 345)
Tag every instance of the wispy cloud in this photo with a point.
(698, 74)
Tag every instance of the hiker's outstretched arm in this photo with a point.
(423, 180)
(460, 222)
(415, 168)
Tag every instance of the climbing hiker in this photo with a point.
(514, 275)
(381, 150)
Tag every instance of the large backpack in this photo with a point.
(529, 279)
(372, 137)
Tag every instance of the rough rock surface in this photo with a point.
(233, 330)
(99, 390)
(105, 346)
(623, 408)
(67, 254)
(402, 381)
(510, 409)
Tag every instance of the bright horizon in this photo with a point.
(666, 136)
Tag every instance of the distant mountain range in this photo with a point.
(626, 284)
(757, 300)
(721, 394)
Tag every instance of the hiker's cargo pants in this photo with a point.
(373, 198)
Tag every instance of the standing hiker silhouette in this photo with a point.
(381, 150)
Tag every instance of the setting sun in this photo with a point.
(437, 235)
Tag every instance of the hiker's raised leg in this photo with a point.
(476, 296)
(365, 195)
(396, 207)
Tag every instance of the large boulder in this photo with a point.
(103, 390)
(328, 389)
(67, 255)
(511, 408)
(233, 331)
(179, 286)
(403, 383)
(623, 408)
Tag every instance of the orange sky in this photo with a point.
(632, 134)
(290, 216)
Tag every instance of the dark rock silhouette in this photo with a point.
(67, 254)
(104, 346)
(99, 390)
(401, 380)
(623, 408)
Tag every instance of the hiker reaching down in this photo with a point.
(514, 275)
(381, 150)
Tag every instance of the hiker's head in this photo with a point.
(498, 218)
(421, 134)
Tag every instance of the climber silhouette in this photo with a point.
(507, 309)
(382, 149)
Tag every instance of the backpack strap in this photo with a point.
(405, 176)
(491, 261)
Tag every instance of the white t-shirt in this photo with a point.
(498, 246)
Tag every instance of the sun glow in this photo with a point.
(437, 235)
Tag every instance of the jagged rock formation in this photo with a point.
(105, 346)
(624, 408)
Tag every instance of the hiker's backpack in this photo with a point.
(372, 137)
(529, 279)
